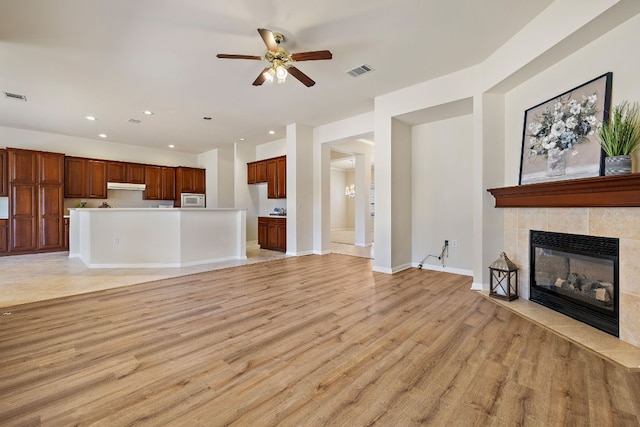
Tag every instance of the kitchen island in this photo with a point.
(155, 237)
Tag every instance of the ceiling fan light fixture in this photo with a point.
(281, 73)
(268, 75)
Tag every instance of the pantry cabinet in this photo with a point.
(4, 177)
(35, 201)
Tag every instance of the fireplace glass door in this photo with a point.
(576, 275)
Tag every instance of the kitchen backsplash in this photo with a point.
(117, 199)
(4, 207)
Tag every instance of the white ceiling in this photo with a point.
(115, 58)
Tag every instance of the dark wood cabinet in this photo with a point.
(35, 201)
(272, 233)
(3, 235)
(251, 173)
(130, 173)
(85, 178)
(160, 182)
(277, 178)
(74, 177)
(261, 171)
(257, 172)
(96, 179)
(189, 180)
(4, 175)
(65, 244)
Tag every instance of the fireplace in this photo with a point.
(576, 275)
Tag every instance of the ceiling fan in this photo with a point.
(281, 60)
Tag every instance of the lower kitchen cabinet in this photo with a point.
(272, 233)
(3, 235)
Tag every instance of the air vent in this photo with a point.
(15, 96)
(360, 70)
(134, 121)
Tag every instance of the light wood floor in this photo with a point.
(301, 341)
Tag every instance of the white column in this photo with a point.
(299, 181)
(363, 192)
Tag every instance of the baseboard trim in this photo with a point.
(452, 270)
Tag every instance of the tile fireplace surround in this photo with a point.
(618, 222)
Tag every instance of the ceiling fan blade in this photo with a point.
(306, 80)
(311, 56)
(227, 56)
(261, 78)
(269, 40)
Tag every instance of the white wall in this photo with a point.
(84, 147)
(266, 151)
(441, 196)
(608, 53)
(338, 199)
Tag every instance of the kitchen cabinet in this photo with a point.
(277, 178)
(35, 201)
(65, 244)
(130, 173)
(272, 233)
(257, 172)
(85, 178)
(189, 180)
(251, 173)
(3, 235)
(160, 182)
(4, 175)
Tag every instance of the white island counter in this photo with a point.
(156, 237)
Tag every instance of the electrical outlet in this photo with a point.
(116, 240)
(454, 243)
(446, 243)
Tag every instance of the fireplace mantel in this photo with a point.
(602, 191)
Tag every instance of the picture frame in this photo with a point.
(559, 139)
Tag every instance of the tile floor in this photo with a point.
(586, 336)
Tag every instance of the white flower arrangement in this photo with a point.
(563, 125)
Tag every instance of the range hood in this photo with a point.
(125, 186)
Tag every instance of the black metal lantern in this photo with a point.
(504, 279)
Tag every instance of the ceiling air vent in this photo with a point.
(360, 70)
(134, 121)
(15, 96)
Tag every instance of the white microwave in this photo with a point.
(191, 200)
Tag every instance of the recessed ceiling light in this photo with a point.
(134, 121)
(171, 146)
(102, 135)
(93, 119)
(207, 118)
(272, 132)
(241, 139)
(147, 112)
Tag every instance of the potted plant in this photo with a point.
(620, 137)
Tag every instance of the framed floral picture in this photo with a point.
(559, 135)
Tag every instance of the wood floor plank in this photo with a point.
(301, 341)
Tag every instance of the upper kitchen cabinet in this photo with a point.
(251, 173)
(4, 176)
(85, 178)
(160, 182)
(131, 173)
(257, 172)
(277, 178)
(190, 180)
